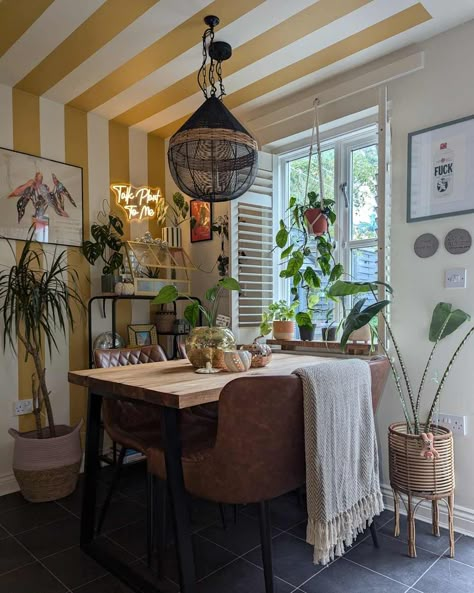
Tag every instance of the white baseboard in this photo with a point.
(463, 517)
(8, 484)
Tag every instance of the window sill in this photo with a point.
(322, 347)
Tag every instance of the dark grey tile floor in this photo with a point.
(39, 550)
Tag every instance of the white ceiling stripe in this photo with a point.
(56, 23)
(143, 32)
(316, 41)
(261, 19)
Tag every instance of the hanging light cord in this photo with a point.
(215, 68)
(315, 130)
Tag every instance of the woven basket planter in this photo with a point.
(412, 474)
(47, 469)
(165, 321)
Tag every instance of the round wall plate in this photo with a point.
(426, 245)
(458, 241)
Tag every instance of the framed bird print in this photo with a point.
(43, 194)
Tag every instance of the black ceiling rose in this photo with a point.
(212, 157)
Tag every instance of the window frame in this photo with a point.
(343, 145)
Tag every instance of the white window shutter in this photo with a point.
(252, 257)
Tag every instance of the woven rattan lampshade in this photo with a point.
(212, 157)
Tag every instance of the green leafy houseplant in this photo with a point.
(36, 304)
(106, 244)
(279, 311)
(444, 321)
(221, 227)
(178, 210)
(169, 294)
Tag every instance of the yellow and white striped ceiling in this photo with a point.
(135, 61)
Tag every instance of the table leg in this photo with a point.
(179, 507)
(91, 469)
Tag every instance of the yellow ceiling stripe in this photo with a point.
(301, 24)
(104, 24)
(16, 17)
(394, 25)
(161, 52)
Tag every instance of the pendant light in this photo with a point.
(212, 157)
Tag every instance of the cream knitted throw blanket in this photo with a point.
(342, 475)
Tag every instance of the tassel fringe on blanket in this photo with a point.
(330, 538)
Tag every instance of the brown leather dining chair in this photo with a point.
(259, 451)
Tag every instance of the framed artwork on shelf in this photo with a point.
(201, 221)
(441, 170)
(42, 194)
(142, 334)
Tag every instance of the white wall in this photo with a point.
(442, 91)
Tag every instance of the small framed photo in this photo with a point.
(201, 221)
(441, 170)
(143, 334)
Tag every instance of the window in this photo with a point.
(350, 167)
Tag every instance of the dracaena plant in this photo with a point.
(36, 304)
(169, 294)
(294, 240)
(444, 321)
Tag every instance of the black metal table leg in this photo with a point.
(179, 507)
(91, 469)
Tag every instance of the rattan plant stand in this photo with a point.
(415, 476)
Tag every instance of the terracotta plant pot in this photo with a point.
(284, 330)
(317, 221)
(307, 333)
(47, 469)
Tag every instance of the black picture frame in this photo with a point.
(200, 232)
(26, 184)
(425, 188)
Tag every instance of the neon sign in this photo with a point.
(139, 203)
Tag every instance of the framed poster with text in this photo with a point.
(43, 194)
(441, 170)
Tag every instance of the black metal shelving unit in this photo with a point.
(114, 298)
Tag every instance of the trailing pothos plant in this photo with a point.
(294, 239)
(106, 243)
(444, 321)
(169, 294)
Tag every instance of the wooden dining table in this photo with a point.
(172, 385)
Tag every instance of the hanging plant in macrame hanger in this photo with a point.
(318, 214)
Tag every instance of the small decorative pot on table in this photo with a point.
(261, 354)
(208, 344)
(422, 466)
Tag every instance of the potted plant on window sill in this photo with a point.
(106, 244)
(36, 306)
(421, 453)
(176, 213)
(208, 343)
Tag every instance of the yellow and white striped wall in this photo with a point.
(108, 152)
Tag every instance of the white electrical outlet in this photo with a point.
(22, 406)
(457, 424)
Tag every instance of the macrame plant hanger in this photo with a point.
(315, 131)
